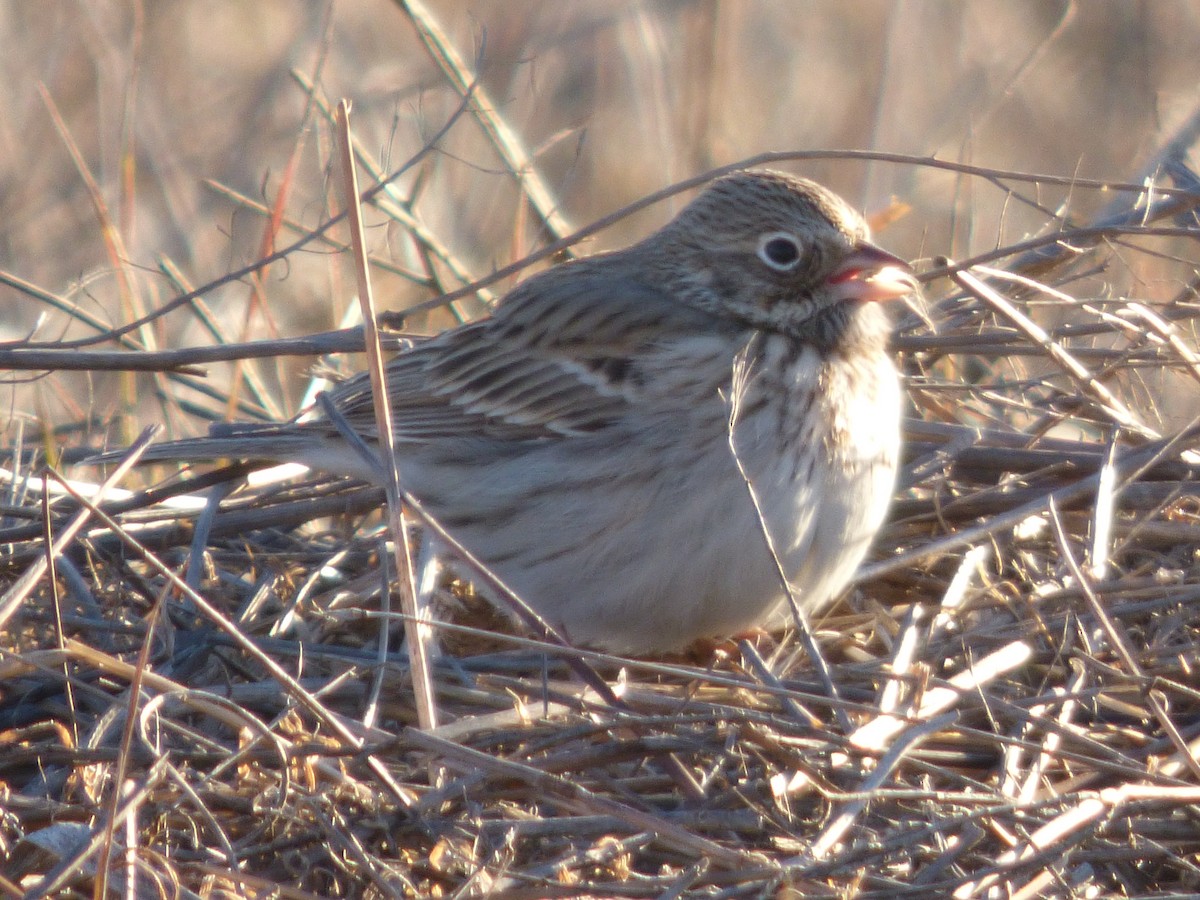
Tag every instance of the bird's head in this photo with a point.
(782, 254)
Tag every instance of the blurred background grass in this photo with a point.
(167, 101)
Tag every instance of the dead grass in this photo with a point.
(1017, 709)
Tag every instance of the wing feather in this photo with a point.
(546, 364)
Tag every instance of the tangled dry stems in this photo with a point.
(1017, 705)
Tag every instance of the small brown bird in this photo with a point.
(597, 440)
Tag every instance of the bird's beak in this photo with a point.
(869, 273)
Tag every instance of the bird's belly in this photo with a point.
(661, 543)
(822, 530)
(636, 566)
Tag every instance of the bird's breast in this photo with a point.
(818, 438)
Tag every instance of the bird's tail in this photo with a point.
(288, 442)
(270, 443)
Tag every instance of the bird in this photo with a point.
(641, 442)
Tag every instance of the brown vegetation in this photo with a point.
(1017, 710)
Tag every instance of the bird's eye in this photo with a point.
(780, 251)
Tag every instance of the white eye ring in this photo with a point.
(780, 250)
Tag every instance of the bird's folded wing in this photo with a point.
(560, 357)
